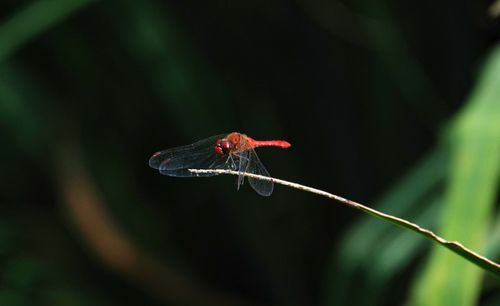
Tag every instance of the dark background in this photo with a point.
(363, 90)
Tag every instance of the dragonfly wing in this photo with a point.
(199, 155)
(179, 167)
(264, 188)
(241, 161)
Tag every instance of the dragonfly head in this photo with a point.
(223, 147)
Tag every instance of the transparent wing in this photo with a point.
(199, 155)
(264, 188)
(242, 161)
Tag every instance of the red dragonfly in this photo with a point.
(234, 151)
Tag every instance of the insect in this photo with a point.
(233, 151)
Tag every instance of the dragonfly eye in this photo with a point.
(222, 147)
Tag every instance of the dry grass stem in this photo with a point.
(454, 246)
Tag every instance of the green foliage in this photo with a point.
(360, 94)
(34, 19)
(413, 192)
(470, 195)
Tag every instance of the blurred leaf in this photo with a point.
(396, 255)
(127, 74)
(380, 32)
(364, 237)
(493, 246)
(494, 9)
(6, 239)
(22, 273)
(33, 19)
(13, 298)
(77, 296)
(21, 118)
(473, 179)
(454, 246)
(178, 73)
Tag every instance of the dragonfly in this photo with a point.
(234, 151)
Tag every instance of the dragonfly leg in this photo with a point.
(233, 164)
(242, 156)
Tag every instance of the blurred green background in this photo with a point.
(394, 104)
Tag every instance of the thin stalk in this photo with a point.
(456, 247)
